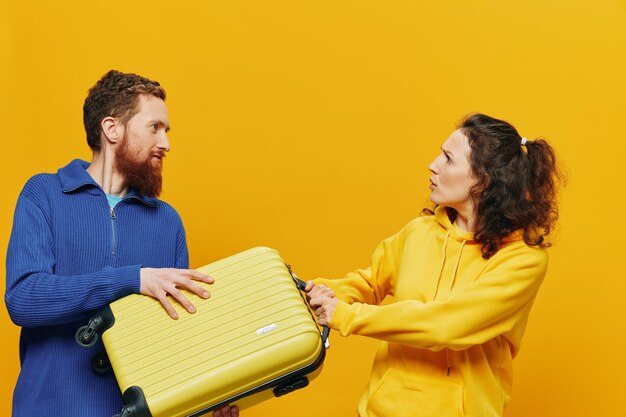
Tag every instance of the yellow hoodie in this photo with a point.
(454, 323)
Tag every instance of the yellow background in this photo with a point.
(308, 126)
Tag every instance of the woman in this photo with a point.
(461, 278)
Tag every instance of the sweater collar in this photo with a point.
(74, 176)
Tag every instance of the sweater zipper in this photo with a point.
(113, 243)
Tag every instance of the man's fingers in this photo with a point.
(185, 282)
(168, 307)
(196, 289)
(199, 276)
(182, 300)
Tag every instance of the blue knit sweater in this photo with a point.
(69, 255)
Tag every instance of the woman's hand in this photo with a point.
(323, 302)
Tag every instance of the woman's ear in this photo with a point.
(112, 129)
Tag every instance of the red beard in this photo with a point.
(141, 175)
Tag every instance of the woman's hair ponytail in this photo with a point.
(543, 180)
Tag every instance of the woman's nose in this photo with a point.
(433, 167)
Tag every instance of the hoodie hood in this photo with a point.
(441, 214)
(456, 233)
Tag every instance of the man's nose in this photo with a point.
(164, 143)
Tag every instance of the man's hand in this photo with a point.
(227, 411)
(322, 300)
(159, 282)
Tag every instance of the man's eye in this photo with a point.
(155, 127)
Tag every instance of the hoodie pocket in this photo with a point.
(403, 395)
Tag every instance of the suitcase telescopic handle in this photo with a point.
(301, 286)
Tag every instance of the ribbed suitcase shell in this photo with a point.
(254, 330)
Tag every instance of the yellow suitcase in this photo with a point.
(254, 339)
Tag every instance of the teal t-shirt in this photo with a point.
(113, 200)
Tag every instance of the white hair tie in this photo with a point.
(524, 140)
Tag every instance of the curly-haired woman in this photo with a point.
(461, 279)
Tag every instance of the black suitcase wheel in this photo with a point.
(85, 337)
(100, 363)
(135, 404)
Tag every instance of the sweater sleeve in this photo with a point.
(35, 295)
(371, 285)
(488, 307)
(182, 253)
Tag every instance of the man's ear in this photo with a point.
(112, 129)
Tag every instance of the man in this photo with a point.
(88, 235)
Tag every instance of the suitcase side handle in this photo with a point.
(301, 286)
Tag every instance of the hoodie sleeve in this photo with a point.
(490, 306)
(371, 285)
(35, 295)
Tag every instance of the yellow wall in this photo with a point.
(308, 126)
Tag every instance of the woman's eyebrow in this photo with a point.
(447, 152)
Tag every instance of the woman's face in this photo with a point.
(452, 175)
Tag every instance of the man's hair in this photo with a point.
(116, 94)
